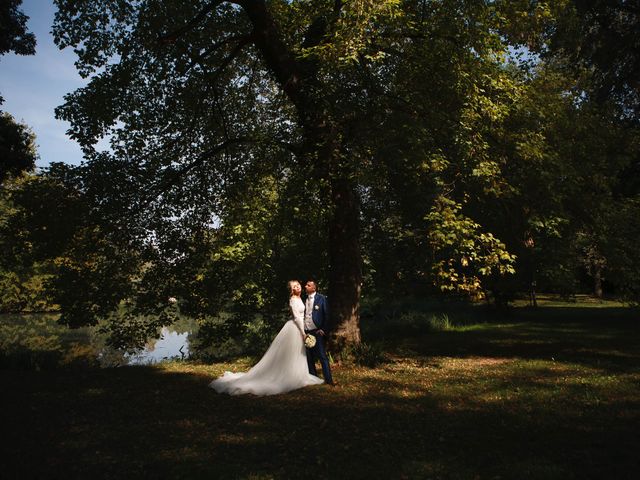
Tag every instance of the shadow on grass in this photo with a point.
(529, 417)
(146, 422)
(605, 338)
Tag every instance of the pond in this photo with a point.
(38, 341)
(170, 346)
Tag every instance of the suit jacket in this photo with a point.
(320, 313)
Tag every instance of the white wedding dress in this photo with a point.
(281, 369)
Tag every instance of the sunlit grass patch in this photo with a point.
(570, 301)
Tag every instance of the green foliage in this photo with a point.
(128, 330)
(221, 195)
(34, 345)
(17, 147)
(366, 355)
(224, 337)
(58, 252)
(386, 319)
(356, 32)
(591, 37)
(23, 278)
(439, 144)
(14, 37)
(38, 342)
(462, 254)
(27, 294)
(621, 251)
(440, 323)
(234, 144)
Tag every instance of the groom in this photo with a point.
(316, 323)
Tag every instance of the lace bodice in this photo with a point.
(297, 311)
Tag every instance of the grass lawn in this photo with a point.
(547, 394)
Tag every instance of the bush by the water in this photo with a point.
(38, 342)
(222, 338)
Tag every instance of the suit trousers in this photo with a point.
(318, 352)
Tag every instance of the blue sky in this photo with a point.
(32, 86)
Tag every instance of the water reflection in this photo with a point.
(39, 341)
(171, 345)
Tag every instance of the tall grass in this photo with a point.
(411, 317)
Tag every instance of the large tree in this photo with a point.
(336, 104)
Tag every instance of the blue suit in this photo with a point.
(320, 317)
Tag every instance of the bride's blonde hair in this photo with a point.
(290, 285)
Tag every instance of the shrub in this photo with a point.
(367, 355)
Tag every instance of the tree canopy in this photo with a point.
(408, 146)
(327, 99)
(17, 147)
(14, 36)
(603, 38)
(13, 25)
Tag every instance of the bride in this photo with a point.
(283, 367)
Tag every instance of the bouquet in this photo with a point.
(309, 341)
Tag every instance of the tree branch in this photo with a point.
(278, 57)
(421, 36)
(234, 53)
(171, 37)
(175, 175)
(198, 60)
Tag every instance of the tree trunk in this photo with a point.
(345, 275)
(299, 80)
(597, 280)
